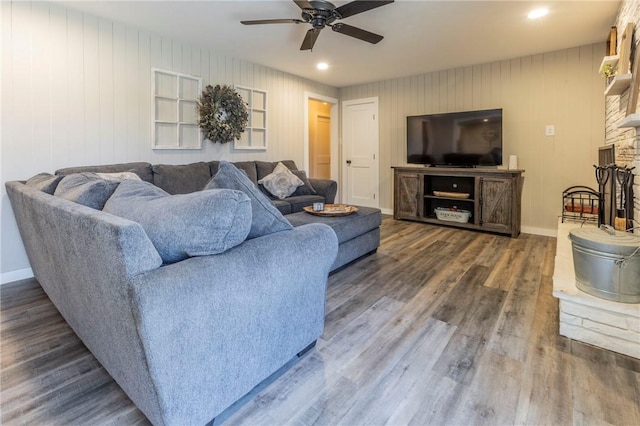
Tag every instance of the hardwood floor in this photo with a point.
(441, 326)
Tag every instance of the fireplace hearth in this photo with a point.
(610, 325)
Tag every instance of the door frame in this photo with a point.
(335, 117)
(372, 100)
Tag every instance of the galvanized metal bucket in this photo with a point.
(607, 263)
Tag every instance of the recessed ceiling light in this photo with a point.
(538, 13)
(322, 65)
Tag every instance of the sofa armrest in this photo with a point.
(325, 187)
(213, 327)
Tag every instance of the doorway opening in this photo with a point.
(319, 139)
(321, 153)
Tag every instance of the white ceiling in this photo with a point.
(419, 36)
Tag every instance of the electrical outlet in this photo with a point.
(549, 130)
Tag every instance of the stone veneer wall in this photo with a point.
(626, 140)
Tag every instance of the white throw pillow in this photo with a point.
(119, 176)
(281, 182)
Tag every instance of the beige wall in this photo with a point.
(562, 88)
(76, 90)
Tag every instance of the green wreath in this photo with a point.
(223, 113)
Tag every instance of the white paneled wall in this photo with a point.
(562, 88)
(76, 90)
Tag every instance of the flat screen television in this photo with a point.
(461, 139)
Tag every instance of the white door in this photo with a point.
(360, 152)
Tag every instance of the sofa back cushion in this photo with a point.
(184, 225)
(266, 218)
(142, 169)
(181, 179)
(45, 182)
(307, 188)
(213, 167)
(89, 189)
(264, 168)
(249, 167)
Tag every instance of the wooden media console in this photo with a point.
(490, 198)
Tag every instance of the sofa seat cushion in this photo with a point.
(345, 227)
(298, 202)
(281, 183)
(143, 170)
(181, 179)
(266, 218)
(87, 188)
(282, 205)
(184, 225)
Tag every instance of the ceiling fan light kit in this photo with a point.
(321, 14)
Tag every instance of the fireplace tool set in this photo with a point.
(611, 204)
(615, 186)
(606, 259)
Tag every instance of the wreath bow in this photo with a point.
(223, 113)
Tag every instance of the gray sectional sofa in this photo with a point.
(187, 338)
(358, 236)
(187, 178)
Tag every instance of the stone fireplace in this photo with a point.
(599, 322)
(622, 130)
(610, 325)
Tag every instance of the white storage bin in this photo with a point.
(461, 216)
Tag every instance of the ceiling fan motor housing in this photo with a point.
(320, 14)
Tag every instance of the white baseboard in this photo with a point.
(525, 229)
(540, 231)
(20, 274)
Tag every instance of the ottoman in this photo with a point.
(358, 233)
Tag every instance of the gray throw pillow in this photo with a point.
(307, 188)
(181, 179)
(86, 188)
(45, 182)
(184, 225)
(281, 182)
(266, 219)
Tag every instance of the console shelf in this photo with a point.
(493, 196)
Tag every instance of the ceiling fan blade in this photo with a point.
(303, 4)
(310, 39)
(356, 32)
(273, 21)
(359, 6)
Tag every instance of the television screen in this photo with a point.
(471, 138)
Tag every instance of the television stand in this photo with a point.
(491, 196)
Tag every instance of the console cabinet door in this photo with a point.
(407, 195)
(496, 200)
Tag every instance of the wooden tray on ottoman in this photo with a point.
(332, 210)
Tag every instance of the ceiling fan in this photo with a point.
(320, 14)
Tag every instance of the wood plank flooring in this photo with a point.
(441, 327)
